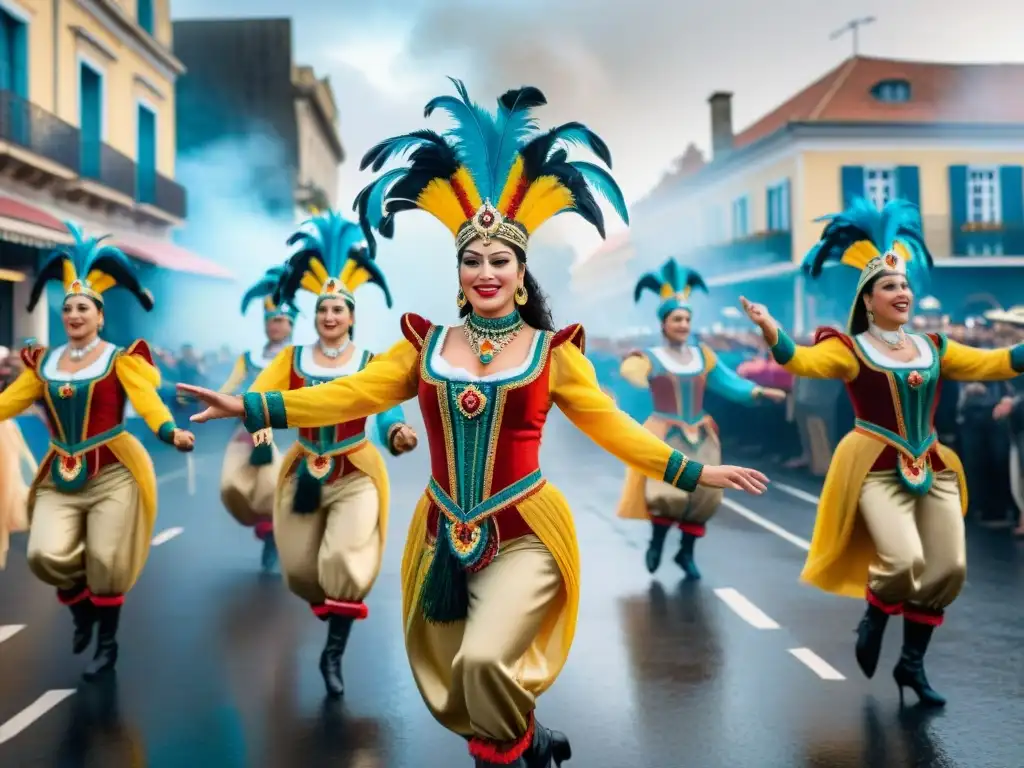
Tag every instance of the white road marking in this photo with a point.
(745, 609)
(190, 468)
(168, 476)
(797, 493)
(7, 631)
(816, 664)
(768, 525)
(164, 536)
(31, 713)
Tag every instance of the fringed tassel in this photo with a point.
(445, 595)
(307, 492)
(261, 455)
(503, 754)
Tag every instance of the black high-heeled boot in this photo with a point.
(909, 672)
(549, 748)
(83, 615)
(338, 629)
(870, 632)
(108, 619)
(684, 557)
(657, 545)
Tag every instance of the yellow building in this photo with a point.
(948, 137)
(87, 121)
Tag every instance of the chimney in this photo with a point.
(721, 123)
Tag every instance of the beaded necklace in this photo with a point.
(487, 336)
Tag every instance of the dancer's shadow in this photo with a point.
(98, 736)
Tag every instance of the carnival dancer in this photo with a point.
(16, 461)
(891, 511)
(677, 374)
(331, 501)
(490, 573)
(249, 474)
(93, 502)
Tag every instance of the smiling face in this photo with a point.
(676, 326)
(82, 318)
(489, 275)
(890, 300)
(334, 318)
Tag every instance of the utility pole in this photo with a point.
(853, 27)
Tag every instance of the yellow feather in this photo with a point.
(859, 254)
(353, 276)
(439, 200)
(69, 274)
(902, 251)
(100, 281)
(465, 180)
(666, 292)
(511, 184)
(268, 304)
(311, 283)
(686, 292)
(319, 271)
(545, 197)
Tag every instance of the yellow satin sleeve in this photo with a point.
(387, 380)
(831, 359)
(963, 363)
(277, 374)
(575, 390)
(22, 393)
(141, 381)
(230, 387)
(636, 369)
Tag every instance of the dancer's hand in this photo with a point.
(737, 478)
(219, 406)
(761, 317)
(184, 440)
(404, 439)
(775, 395)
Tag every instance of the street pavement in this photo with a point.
(747, 667)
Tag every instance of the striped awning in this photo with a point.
(25, 224)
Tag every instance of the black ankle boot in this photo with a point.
(83, 614)
(684, 557)
(549, 748)
(909, 672)
(338, 629)
(108, 618)
(869, 639)
(654, 549)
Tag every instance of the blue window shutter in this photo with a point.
(958, 208)
(852, 182)
(908, 184)
(787, 206)
(770, 222)
(144, 11)
(1011, 187)
(6, 75)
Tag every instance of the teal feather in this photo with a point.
(475, 136)
(515, 126)
(602, 181)
(672, 274)
(579, 135)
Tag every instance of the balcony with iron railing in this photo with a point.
(754, 251)
(965, 240)
(28, 126)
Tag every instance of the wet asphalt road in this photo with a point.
(218, 665)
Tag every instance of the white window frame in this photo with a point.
(882, 187)
(17, 11)
(741, 204)
(84, 60)
(994, 212)
(780, 221)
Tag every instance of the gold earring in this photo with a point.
(871, 317)
(460, 299)
(521, 296)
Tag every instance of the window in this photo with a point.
(778, 207)
(984, 207)
(144, 13)
(741, 217)
(715, 226)
(879, 185)
(13, 54)
(145, 160)
(892, 91)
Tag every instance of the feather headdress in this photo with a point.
(491, 176)
(330, 259)
(266, 288)
(673, 284)
(873, 242)
(87, 268)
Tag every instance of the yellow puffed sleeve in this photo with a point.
(388, 380)
(22, 393)
(828, 359)
(141, 380)
(963, 363)
(277, 374)
(636, 369)
(575, 390)
(234, 382)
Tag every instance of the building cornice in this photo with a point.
(118, 23)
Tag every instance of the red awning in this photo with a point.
(25, 224)
(165, 254)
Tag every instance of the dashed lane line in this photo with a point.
(31, 713)
(7, 631)
(745, 609)
(164, 536)
(816, 664)
(768, 525)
